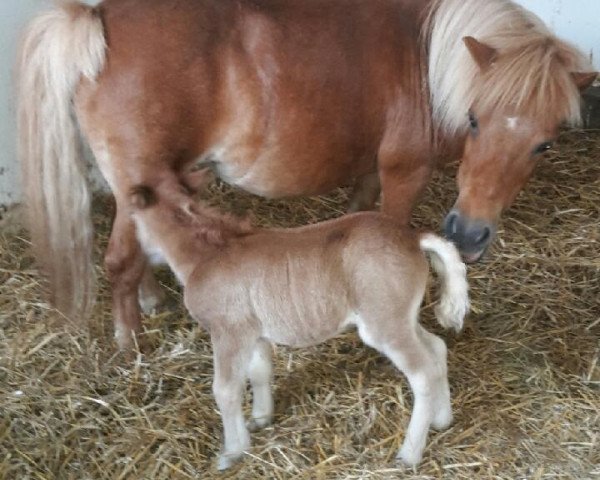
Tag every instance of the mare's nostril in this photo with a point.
(451, 225)
(483, 237)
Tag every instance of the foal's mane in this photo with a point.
(206, 224)
(532, 72)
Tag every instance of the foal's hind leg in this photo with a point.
(125, 264)
(442, 417)
(365, 193)
(260, 373)
(412, 356)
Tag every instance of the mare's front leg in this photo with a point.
(125, 265)
(405, 162)
(403, 180)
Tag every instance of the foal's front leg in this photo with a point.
(232, 357)
(260, 373)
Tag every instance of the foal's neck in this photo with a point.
(188, 243)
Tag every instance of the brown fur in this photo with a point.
(302, 286)
(281, 98)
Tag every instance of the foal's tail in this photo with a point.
(59, 48)
(446, 261)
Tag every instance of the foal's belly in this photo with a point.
(307, 332)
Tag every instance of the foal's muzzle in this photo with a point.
(471, 236)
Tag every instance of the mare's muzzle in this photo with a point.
(471, 236)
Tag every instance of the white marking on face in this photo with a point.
(512, 123)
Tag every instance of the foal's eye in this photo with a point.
(473, 123)
(542, 148)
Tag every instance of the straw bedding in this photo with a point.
(524, 374)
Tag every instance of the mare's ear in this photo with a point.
(483, 54)
(196, 180)
(584, 80)
(142, 196)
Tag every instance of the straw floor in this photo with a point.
(524, 374)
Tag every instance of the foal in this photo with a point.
(299, 287)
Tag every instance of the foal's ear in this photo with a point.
(483, 54)
(142, 196)
(584, 80)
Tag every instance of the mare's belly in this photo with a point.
(285, 172)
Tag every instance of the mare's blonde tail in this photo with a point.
(59, 48)
(446, 261)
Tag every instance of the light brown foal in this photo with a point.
(299, 287)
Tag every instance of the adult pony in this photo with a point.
(280, 98)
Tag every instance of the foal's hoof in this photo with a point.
(227, 460)
(256, 424)
(409, 456)
(443, 420)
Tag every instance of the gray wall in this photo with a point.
(13, 13)
(13, 16)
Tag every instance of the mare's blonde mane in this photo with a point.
(532, 73)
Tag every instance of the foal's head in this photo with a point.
(518, 83)
(168, 212)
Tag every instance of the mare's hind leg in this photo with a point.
(125, 264)
(260, 373)
(365, 193)
(151, 295)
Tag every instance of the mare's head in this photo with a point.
(507, 93)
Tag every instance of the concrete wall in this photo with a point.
(576, 20)
(13, 14)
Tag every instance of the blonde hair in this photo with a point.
(532, 72)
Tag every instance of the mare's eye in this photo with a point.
(542, 148)
(473, 123)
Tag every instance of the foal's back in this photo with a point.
(307, 284)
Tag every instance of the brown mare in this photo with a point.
(302, 286)
(281, 98)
